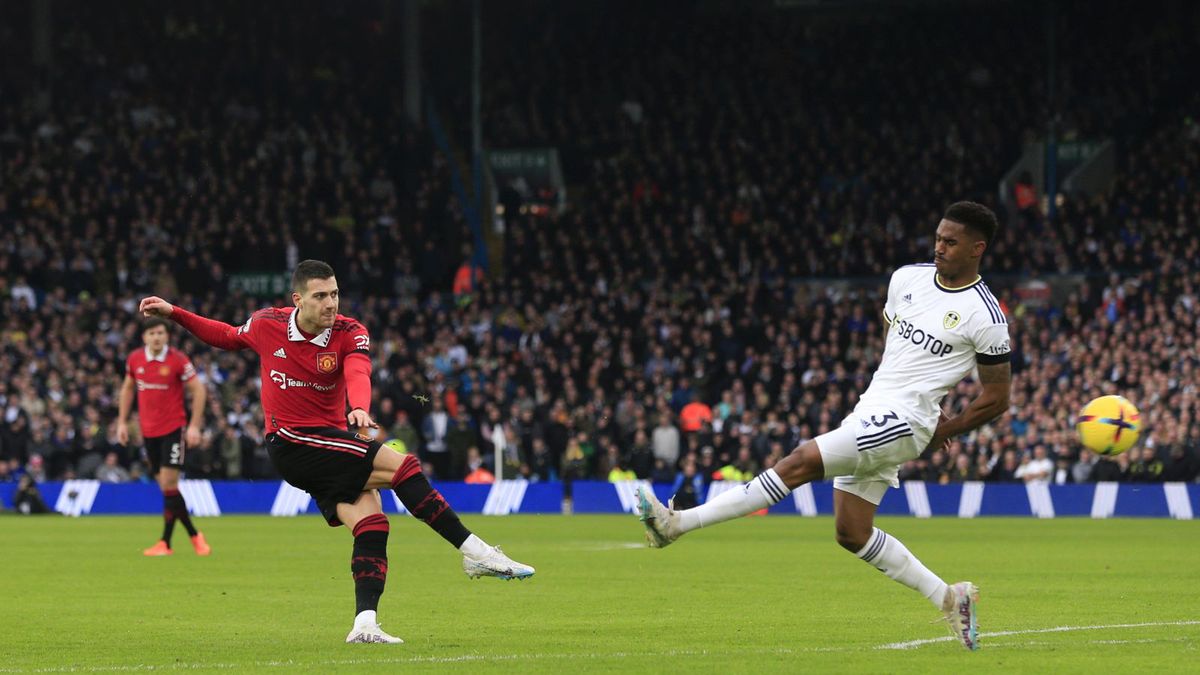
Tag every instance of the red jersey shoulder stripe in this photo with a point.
(273, 314)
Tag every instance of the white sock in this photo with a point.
(365, 618)
(765, 490)
(474, 547)
(891, 557)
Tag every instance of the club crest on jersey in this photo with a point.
(164, 371)
(951, 320)
(326, 362)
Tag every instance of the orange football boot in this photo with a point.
(160, 548)
(201, 546)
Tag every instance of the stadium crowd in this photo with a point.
(666, 326)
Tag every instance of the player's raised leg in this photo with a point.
(402, 474)
(368, 565)
(854, 506)
(665, 525)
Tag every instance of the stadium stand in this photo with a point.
(717, 188)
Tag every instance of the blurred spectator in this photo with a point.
(434, 430)
(111, 471)
(694, 415)
(1181, 466)
(540, 465)
(641, 458)
(36, 468)
(666, 441)
(742, 469)
(689, 486)
(1081, 471)
(27, 500)
(1026, 197)
(964, 469)
(1038, 469)
(1106, 471)
(477, 473)
(404, 432)
(459, 439)
(1145, 466)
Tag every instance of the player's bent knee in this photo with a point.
(852, 539)
(801, 466)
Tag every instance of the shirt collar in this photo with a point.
(294, 334)
(162, 356)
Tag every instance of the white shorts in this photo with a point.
(863, 456)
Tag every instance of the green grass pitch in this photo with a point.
(770, 594)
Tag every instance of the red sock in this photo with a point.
(426, 503)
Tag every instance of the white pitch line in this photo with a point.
(463, 658)
(607, 546)
(1046, 643)
(912, 644)
(469, 658)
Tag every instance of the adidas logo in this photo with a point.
(906, 298)
(279, 353)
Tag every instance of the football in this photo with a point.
(1109, 425)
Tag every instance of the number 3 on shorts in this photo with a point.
(883, 421)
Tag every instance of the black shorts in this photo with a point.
(330, 464)
(166, 450)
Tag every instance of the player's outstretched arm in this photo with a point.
(215, 333)
(156, 306)
(124, 405)
(358, 391)
(996, 380)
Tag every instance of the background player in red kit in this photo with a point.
(159, 373)
(315, 363)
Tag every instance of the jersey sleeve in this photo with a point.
(129, 365)
(214, 333)
(893, 292)
(991, 343)
(358, 370)
(358, 340)
(250, 332)
(186, 370)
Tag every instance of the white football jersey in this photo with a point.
(937, 335)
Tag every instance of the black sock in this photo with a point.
(175, 502)
(421, 500)
(168, 520)
(368, 563)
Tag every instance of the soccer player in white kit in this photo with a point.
(942, 323)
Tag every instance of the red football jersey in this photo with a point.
(302, 380)
(160, 389)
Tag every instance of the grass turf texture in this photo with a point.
(761, 594)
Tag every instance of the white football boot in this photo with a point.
(661, 522)
(493, 563)
(960, 610)
(371, 633)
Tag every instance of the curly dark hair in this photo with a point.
(975, 217)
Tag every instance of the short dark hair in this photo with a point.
(975, 217)
(309, 269)
(155, 322)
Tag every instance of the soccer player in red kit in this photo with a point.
(315, 364)
(160, 373)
